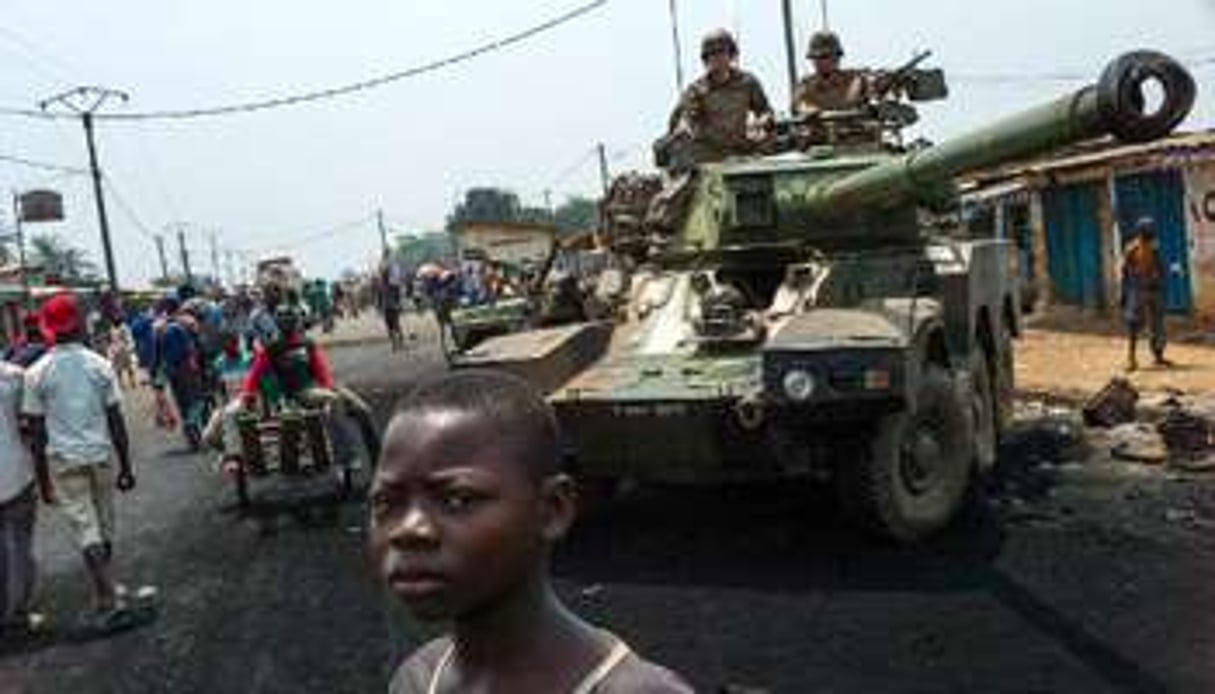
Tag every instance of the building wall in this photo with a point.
(515, 245)
(1200, 219)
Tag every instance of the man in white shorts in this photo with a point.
(73, 401)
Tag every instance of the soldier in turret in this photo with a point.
(721, 110)
(830, 87)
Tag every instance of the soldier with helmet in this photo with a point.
(716, 110)
(830, 87)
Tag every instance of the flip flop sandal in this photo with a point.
(112, 621)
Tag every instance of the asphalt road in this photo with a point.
(1078, 577)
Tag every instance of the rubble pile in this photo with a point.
(1112, 405)
(1174, 429)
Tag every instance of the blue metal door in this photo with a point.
(1159, 195)
(1073, 244)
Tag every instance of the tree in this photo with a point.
(417, 250)
(60, 259)
(485, 205)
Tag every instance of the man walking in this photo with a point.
(18, 511)
(73, 401)
(1143, 277)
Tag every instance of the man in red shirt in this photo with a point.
(292, 369)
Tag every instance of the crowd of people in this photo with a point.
(204, 357)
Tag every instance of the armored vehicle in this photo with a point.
(804, 319)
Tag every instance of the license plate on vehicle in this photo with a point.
(651, 410)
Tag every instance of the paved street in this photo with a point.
(1080, 574)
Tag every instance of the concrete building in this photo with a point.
(1070, 215)
(516, 244)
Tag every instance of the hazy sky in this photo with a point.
(526, 117)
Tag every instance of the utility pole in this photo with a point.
(160, 253)
(678, 52)
(84, 102)
(18, 223)
(790, 48)
(215, 260)
(379, 220)
(604, 178)
(185, 255)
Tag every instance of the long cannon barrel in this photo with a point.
(1116, 106)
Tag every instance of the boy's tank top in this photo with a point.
(620, 672)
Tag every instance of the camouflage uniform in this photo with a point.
(716, 114)
(839, 91)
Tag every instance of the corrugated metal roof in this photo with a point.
(1176, 150)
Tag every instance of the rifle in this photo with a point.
(901, 75)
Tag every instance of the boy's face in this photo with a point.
(457, 523)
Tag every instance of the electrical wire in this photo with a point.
(572, 169)
(333, 92)
(317, 235)
(46, 166)
(53, 66)
(127, 209)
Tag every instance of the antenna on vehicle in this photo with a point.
(823, 19)
(790, 50)
(674, 12)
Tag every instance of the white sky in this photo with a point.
(518, 118)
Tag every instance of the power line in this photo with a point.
(126, 208)
(46, 166)
(572, 168)
(333, 92)
(318, 235)
(32, 50)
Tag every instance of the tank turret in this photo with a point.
(842, 195)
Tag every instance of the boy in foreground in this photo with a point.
(466, 505)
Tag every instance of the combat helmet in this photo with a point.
(718, 40)
(825, 44)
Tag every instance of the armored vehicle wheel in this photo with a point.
(915, 470)
(983, 411)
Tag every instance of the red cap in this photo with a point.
(61, 315)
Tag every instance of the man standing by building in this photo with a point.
(716, 110)
(1143, 278)
(73, 401)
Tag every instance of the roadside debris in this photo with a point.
(1112, 405)
(1186, 434)
(1138, 443)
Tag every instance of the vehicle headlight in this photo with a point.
(799, 385)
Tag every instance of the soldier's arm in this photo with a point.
(759, 102)
(685, 112)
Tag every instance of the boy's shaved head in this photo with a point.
(525, 422)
